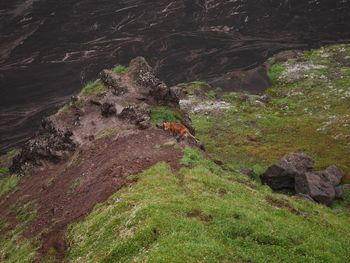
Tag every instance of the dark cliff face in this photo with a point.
(49, 48)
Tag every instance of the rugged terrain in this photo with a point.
(100, 182)
(48, 48)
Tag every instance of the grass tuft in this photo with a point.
(162, 114)
(8, 184)
(95, 88)
(107, 133)
(120, 70)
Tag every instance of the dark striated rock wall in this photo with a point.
(49, 48)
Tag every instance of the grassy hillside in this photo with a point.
(205, 214)
(308, 111)
(210, 213)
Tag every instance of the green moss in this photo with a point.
(95, 87)
(272, 60)
(8, 184)
(211, 94)
(161, 114)
(120, 70)
(275, 72)
(107, 133)
(204, 214)
(4, 171)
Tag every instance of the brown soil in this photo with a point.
(282, 204)
(199, 214)
(68, 191)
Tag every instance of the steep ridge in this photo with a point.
(85, 152)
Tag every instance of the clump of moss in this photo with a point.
(95, 87)
(8, 184)
(4, 171)
(120, 70)
(275, 72)
(107, 133)
(162, 114)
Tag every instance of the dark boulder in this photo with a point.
(108, 109)
(294, 172)
(313, 185)
(49, 144)
(281, 176)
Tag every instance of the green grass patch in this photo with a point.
(275, 72)
(107, 133)
(204, 214)
(120, 70)
(13, 248)
(4, 171)
(95, 88)
(162, 114)
(8, 184)
(309, 115)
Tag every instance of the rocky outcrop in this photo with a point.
(137, 114)
(50, 143)
(128, 99)
(142, 73)
(294, 173)
(113, 82)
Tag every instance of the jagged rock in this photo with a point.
(294, 172)
(108, 109)
(139, 115)
(313, 185)
(50, 144)
(332, 174)
(322, 186)
(142, 73)
(282, 175)
(113, 81)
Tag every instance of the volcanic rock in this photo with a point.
(281, 176)
(108, 109)
(294, 172)
(113, 81)
(137, 114)
(50, 143)
(142, 73)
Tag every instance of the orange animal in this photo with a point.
(178, 129)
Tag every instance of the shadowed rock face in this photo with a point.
(48, 48)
